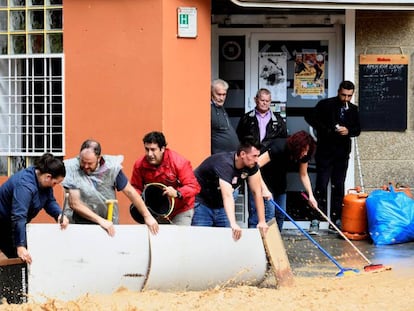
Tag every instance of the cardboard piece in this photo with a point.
(277, 256)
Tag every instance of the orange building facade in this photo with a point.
(127, 73)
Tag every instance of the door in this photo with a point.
(299, 67)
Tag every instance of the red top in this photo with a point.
(174, 171)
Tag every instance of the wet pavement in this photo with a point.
(306, 259)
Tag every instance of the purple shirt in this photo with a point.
(263, 121)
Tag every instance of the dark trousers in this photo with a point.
(6, 240)
(331, 166)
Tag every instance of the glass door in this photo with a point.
(299, 67)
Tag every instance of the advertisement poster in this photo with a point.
(309, 77)
(272, 74)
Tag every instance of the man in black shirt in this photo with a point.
(219, 176)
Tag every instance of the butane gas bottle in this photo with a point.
(354, 222)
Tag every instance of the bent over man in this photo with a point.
(221, 174)
(92, 179)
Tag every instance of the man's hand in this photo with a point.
(108, 226)
(312, 202)
(263, 227)
(236, 231)
(152, 224)
(23, 254)
(342, 130)
(267, 195)
(63, 221)
(170, 191)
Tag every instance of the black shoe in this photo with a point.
(332, 230)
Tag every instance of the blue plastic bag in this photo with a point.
(390, 217)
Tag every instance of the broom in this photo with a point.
(342, 271)
(368, 268)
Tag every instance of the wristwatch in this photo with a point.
(179, 195)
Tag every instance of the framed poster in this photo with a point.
(272, 74)
(309, 75)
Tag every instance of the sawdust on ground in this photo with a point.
(387, 290)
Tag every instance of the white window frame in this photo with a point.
(32, 86)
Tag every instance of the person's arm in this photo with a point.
(354, 128)
(304, 177)
(264, 158)
(139, 204)
(22, 197)
(81, 208)
(266, 193)
(320, 118)
(53, 209)
(189, 184)
(255, 185)
(229, 207)
(136, 178)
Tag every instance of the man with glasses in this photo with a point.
(335, 120)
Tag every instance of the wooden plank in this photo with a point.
(5, 261)
(277, 256)
(198, 258)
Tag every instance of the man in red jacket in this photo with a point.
(163, 165)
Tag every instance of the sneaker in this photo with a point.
(332, 230)
(338, 223)
(314, 227)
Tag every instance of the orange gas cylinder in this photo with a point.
(354, 222)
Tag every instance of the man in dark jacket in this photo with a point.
(265, 126)
(335, 120)
(223, 135)
(261, 123)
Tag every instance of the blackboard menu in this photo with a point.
(383, 92)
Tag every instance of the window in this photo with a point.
(31, 81)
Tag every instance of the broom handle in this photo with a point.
(308, 236)
(338, 230)
(361, 181)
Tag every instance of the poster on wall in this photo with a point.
(309, 76)
(272, 74)
(279, 107)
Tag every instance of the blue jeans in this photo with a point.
(209, 217)
(280, 217)
(271, 211)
